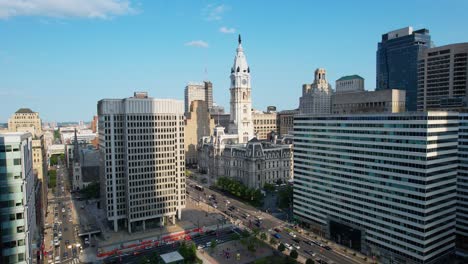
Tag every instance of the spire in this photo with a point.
(76, 151)
(240, 61)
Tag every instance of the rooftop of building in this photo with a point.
(172, 257)
(350, 77)
(24, 111)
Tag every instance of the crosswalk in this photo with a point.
(71, 261)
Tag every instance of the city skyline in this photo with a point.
(110, 50)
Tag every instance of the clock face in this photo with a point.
(244, 81)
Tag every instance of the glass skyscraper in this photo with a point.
(397, 61)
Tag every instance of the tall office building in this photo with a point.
(382, 184)
(26, 120)
(286, 121)
(17, 185)
(198, 124)
(198, 91)
(462, 187)
(265, 123)
(397, 61)
(442, 78)
(316, 97)
(142, 149)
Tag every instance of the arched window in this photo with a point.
(244, 96)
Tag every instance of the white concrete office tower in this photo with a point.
(351, 83)
(17, 199)
(316, 97)
(198, 91)
(462, 187)
(142, 148)
(241, 98)
(382, 184)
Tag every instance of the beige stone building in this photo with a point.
(316, 97)
(264, 123)
(198, 124)
(25, 120)
(381, 101)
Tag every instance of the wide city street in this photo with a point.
(246, 215)
(62, 234)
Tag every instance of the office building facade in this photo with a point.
(17, 185)
(442, 78)
(264, 123)
(286, 121)
(397, 61)
(198, 91)
(316, 97)
(350, 83)
(382, 101)
(382, 184)
(142, 152)
(198, 124)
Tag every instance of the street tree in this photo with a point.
(294, 254)
(309, 261)
(263, 236)
(281, 247)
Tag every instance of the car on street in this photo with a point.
(227, 201)
(296, 246)
(65, 255)
(296, 240)
(292, 234)
(327, 247)
(288, 246)
(277, 229)
(278, 236)
(63, 210)
(60, 234)
(208, 244)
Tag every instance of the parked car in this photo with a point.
(296, 246)
(288, 246)
(278, 236)
(292, 234)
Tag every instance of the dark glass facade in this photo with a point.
(397, 63)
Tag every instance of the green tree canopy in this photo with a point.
(294, 254)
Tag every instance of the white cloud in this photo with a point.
(214, 12)
(197, 43)
(102, 9)
(227, 30)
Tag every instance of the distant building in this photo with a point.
(216, 109)
(264, 123)
(397, 61)
(198, 91)
(25, 120)
(286, 121)
(316, 97)
(382, 184)
(143, 161)
(198, 124)
(462, 187)
(85, 165)
(351, 83)
(442, 78)
(19, 232)
(382, 101)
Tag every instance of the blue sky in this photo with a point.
(60, 59)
